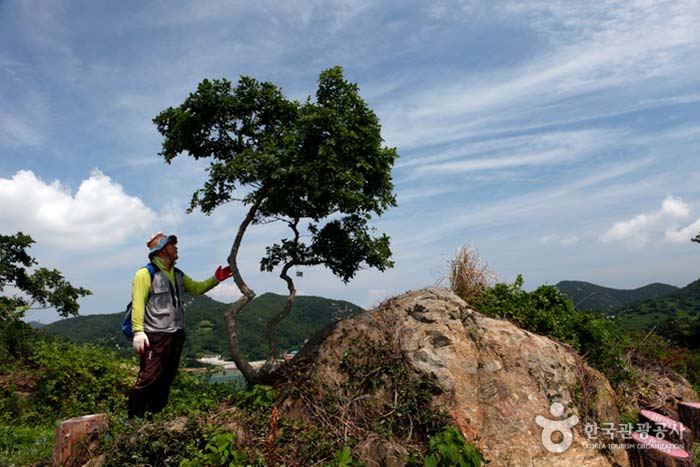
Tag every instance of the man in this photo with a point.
(158, 322)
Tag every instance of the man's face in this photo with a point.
(171, 248)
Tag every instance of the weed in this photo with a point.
(448, 448)
(469, 277)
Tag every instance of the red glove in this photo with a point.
(222, 273)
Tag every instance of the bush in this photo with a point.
(46, 379)
(76, 380)
(220, 449)
(197, 443)
(16, 342)
(132, 443)
(548, 312)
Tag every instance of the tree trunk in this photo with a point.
(239, 358)
(231, 314)
(689, 413)
(673, 431)
(73, 434)
(652, 452)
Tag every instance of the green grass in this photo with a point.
(25, 445)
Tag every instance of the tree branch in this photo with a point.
(272, 324)
(248, 294)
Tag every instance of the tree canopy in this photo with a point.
(300, 161)
(318, 166)
(42, 286)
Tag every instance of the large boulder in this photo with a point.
(501, 385)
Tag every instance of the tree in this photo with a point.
(43, 287)
(696, 238)
(318, 166)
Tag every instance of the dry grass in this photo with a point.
(468, 275)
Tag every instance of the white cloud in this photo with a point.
(299, 13)
(563, 241)
(644, 227)
(489, 163)
(683, 235)
(172, 215)
(99, 214)
(509, 156)
(675, 208)
(629, 229)
(523, 208)
(15, 132)
(226, 292)
(546, 239)
(591, 46)
(570, 240)
(419, 194)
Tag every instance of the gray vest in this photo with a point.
(164, 309)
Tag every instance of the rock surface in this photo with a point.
(497, 380)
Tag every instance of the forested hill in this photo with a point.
(206, 330)
(587, 296)
(681, 304)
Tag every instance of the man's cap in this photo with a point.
(158, 242)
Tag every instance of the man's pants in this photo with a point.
(157, 370)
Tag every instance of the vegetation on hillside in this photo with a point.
(206, 329)
(52, 379)
(665, 327)
(681, 305)
(44, 379)
(606, 344)
(587, 296)
(667, 324)
(548, 312)
(212, 424)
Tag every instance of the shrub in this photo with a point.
(152, 443)
(76, 380)
(548, 312)
(220, 449)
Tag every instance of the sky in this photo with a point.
(558, 138)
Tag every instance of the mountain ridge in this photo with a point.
(684, 303)
(589, 296)
(206, 329)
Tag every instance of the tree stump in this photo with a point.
(70, 433)
(673, 431)
(652, 452)
(689, 413)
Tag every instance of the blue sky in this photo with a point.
(559, 138)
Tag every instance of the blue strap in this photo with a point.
(151, 269)
(126, 322)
